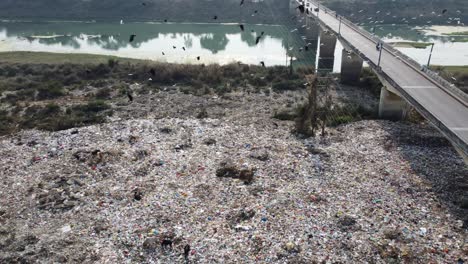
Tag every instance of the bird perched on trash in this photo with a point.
(301, 8)
(166, 243)
(198, 57)
(262, 63)
(257, 40)
(132, 37)
(129, 95)
(137, 195)
(186, 251)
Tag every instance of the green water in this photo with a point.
(214, 43)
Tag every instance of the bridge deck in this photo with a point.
(448, 110)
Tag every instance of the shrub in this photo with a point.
(6, 123)
(112, 63)
(41, 117)
(341, 119)
(50, 90)
(257, 81)
(22, 95)
(285, 114)
(91, 107)
(287, 85)
(232, 70)
(104, 93)
(71, 79)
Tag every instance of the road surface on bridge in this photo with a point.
(447, 109)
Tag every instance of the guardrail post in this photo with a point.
(430, 55)
(380, 54)
(339, 28)
(318, 10)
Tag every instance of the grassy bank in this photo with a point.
(59, 58)
(417, 45)
(457, 75)
(464, 33)
(59, 91)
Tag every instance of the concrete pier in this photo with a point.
(351, 67)
(327, 47)
(392, 106)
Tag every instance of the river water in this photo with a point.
(214, 43)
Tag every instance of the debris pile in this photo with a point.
(201, 190)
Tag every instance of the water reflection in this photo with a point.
(214, 42)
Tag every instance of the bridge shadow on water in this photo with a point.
(433, 158)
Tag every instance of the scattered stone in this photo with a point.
(247, 175)
(165, 130)
(209, 141)
(260, 155)
(245, 215)
(132, 140)
(392, 233)
(151, 243)
(229, 170)
(202, 114)
(32, 143)
(291, 247)
(141, 154)
(183, 146)
(242, 228)
(317, 151)
(347, 223)
(66, 229)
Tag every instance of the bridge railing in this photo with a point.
(455, 139)
(427, 73)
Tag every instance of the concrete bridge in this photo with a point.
(406, 82)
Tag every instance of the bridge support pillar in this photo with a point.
(326, 51)
(351, 67)
(391, 105)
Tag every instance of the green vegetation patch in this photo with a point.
(417, 45)
(53, 118)
(58, 58)
(463, 33)
(457, 75)
(59, 91)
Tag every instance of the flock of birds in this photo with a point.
(304, 10)
(374, 20)
(301, 8)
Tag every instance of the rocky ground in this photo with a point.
(237, 187)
